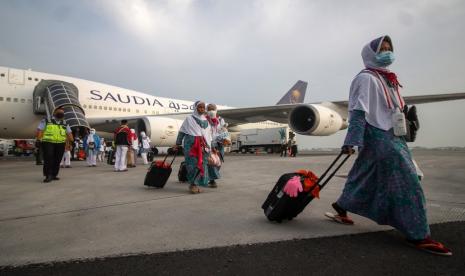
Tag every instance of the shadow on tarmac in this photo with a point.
(379, 253)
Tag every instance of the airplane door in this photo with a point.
(15, 76)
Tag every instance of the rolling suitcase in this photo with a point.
(279, 206)
(159, 172)
(182, 173)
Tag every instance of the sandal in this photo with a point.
(431, 246)
(339, 219)
(212, 184)
(194, 189)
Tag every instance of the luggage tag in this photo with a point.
(398, 123)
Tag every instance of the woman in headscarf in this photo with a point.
(133, 150)
(216, 128)
(193, 136)
(101, 152)
(383, 184)
(145, 145)
(91, 145)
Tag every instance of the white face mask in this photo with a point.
(212, 113)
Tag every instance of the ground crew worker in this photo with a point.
(52, 135)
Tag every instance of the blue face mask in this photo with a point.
(385, 58)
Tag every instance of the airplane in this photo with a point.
(27, 96)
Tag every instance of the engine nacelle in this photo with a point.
(315, 120)
(162, 131)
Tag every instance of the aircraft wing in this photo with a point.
(275, 113)
(434, 98)
(279, 113)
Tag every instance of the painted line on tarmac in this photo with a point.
(91, 208)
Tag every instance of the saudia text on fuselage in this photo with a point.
(132, 99)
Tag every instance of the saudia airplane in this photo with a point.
(27, 96)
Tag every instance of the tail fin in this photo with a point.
(295, 95)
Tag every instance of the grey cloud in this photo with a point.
(244, 53)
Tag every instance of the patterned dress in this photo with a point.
(194, 176)
(383, 184)
(214, 172)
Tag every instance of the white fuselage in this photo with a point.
(17, 119)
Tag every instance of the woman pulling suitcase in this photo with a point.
(192, 135)
(383, 184)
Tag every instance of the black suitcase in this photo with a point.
(279, 206)
(111, 157)
(159, 172)
(182, 173)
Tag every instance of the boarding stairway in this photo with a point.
(51, 94)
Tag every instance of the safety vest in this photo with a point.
(54, 132)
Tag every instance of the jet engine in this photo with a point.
(162, 131)
(315, 120)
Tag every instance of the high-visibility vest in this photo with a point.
(54, 133)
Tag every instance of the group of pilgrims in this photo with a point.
(382, 185)
(202, 136)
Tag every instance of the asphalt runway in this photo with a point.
(378, 253)
(97, 221)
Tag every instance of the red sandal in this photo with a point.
(431, 246)
(340, 219)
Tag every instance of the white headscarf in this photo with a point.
(190, 126)
(371, 49)
(90, 137)
(135, 143)
(367, 92)
(145, 140)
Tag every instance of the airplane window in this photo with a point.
(23, 100)
(104, 108)
(137, 110)
(36, 79)
(100, 107)
(95, 107)
(90, 107)
(124, 109)
(119, 109)
(110, 108)
(15, 100)
(29, 78)
(8, 99)
(145, 111)
(29, 101)
(129, 110)
(153, 112)
(84, 106)
(158, 112)
(1, 99)
(2, 74)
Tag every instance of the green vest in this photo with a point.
(54, 133)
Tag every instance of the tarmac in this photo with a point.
(94, 218)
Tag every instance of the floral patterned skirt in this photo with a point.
(193, 175)
(383, 185)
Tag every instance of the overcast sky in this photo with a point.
(245, 52)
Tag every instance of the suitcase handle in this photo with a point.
(329, 168)
(174, 157)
